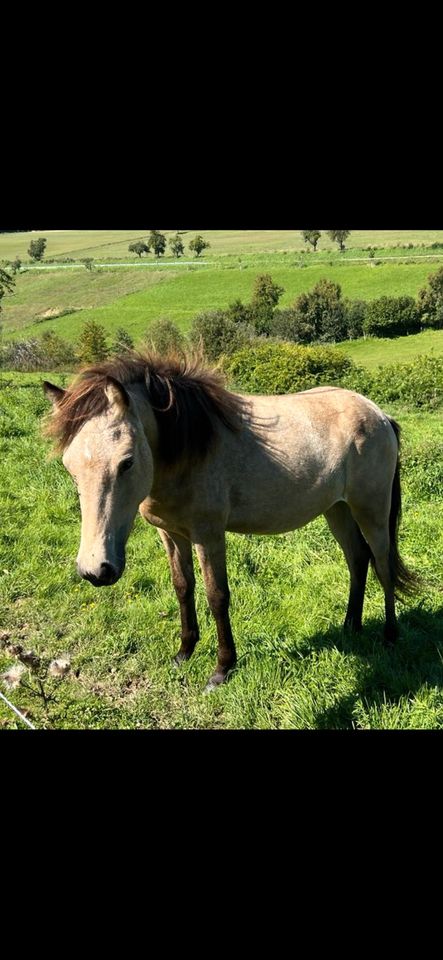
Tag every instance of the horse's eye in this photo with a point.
(126, 465)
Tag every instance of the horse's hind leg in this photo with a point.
(179, 553)
(357, 554)
(375, 530)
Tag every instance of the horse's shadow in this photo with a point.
(388, 674)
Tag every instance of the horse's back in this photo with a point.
(300, 453)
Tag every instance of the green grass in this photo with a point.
(296, 667)
(373, 352)
(106, 244)
(132, 298)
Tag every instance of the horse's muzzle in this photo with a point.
(106, 576)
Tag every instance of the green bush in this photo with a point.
(430, 301)
(392, 317)
(418, 384)
(270, 366)
(165, 337)
(122, 342)
(355, 317)
(276, 367)
(217, 333)
(323, 310)
(289, 324)
(92, 345)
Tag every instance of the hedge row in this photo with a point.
(273, 367)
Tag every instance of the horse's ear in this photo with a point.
(116, 393)
(53, 393)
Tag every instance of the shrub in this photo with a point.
(290, 324)
(430, 301)
(323, 310)
(275, 367)
(36, 248)
(265, 297)
(391, 317)
(49, 352)
(217, 333)
(56, 351)
(24, 355)
(355, 317)
(92, 346)
(122, 342)
(417, 384)
(165, 337)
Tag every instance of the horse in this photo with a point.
(163, 436)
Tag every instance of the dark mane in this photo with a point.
(188, 401)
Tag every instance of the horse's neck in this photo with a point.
(137, 392)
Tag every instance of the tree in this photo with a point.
(355, 317)
(92, 346)
(15, 265)
(139, 247)
(6, 284)
(312, 237)
(122, 343)
(323, 312)
(165, 337)
(157, 241)
(430, 301)
(265, 297)
(36, 248)
(177, 246)
(240, 312)
(88, 262)
(218, 334)
(198, 244)
(339, 236)
(291, 325)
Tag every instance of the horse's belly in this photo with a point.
(280, 514)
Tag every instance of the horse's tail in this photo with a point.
(405, 581)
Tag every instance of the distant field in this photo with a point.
(107, 244)
(134, 298)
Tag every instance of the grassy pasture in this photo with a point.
(296, 667)
(378, 351)
(132, 298)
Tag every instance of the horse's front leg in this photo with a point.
(179, 553)
(212, 558)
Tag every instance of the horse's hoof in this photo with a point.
(216, 681)
(212, 685)
(180, 658)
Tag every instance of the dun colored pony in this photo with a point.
(164, 437)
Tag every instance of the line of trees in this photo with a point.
(337, 236)
(157, 242)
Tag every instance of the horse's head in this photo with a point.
(110, 461)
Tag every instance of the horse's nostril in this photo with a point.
(107, 573)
